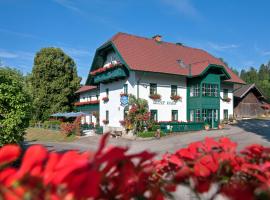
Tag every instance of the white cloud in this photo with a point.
(69, 5)
(261, 51)
(22, 55)
(222, 47)
(184, 7)
(16, 33)
(74, 52)
(7, 54)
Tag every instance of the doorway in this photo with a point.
(210, 116)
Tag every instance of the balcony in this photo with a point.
(87, 105)
(108, 74)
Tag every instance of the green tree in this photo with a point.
(15, 105)
(54, 80)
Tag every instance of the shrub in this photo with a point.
(67, 128)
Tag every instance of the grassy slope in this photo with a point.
(38, 134)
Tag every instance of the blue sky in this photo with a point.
(237, 31)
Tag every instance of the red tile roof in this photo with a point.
(145, 54)
(86, 88)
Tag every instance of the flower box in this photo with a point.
(176, 98)
(105, 99)
(123, 95)
(155, 96)
(226, 99)
(103, 69)
(105, 121)
(86, 103)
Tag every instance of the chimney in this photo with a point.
(157, 38)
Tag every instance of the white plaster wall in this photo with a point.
(116, 111)
(84, 97)
(226, 105)
(164, 83)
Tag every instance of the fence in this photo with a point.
(53, 127)
(56, 127)
(181, 126)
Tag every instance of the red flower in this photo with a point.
(86, 103)
(176, 98)
(105, 99)
(105, 121)
(9, 153)
(155, 96)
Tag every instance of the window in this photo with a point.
(198, 115)
(210, 90)
(225, 114)
(174, 115)
(107, 115)
(154, 115)
(107, 92)
(125, 88)
(173, 90)
(153, 88)
(225, 93)
(195, 90)
(204, 114)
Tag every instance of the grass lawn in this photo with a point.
(39, 134)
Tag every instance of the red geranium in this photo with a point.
(176, 98)
(105, 99)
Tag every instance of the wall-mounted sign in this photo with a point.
(124, 101)
(159, 102)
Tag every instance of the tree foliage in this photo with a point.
(53, 81)
(15, 105)
(260, 77)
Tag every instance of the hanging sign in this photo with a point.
(124, 101)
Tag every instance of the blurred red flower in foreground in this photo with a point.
(112, 173)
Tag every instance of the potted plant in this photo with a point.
(206, 126)
(105, 99)
(227, 99)
(221, 126)
(155, 96)
(176, 98)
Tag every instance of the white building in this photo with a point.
(88, 103)
(192, 84)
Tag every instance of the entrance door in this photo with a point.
(211, 117)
